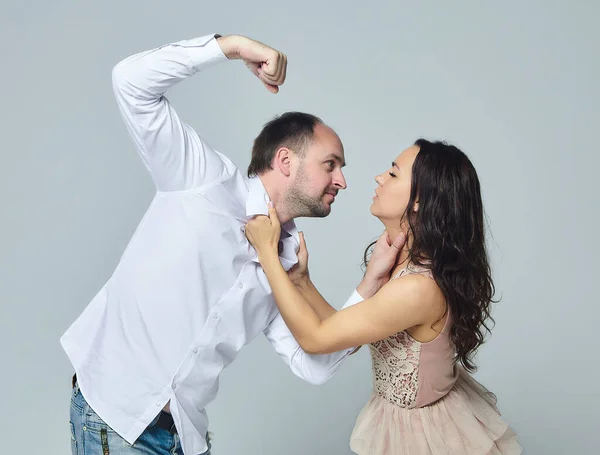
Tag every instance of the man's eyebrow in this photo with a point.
(336, 158)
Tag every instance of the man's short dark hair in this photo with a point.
(294, 130)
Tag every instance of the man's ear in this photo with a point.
(283, 160)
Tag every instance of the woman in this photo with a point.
(425, 324)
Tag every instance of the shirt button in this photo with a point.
(174, 386)
(215, 316)
(195, 350)
(241, 286)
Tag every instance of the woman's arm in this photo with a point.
(383, 259)
(301, 279)
(399, 305)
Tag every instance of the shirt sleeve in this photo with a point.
(174, 154)
(313, 368)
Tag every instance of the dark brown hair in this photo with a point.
(294, 130)
(448, 237)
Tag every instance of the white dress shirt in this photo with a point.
(188, 292)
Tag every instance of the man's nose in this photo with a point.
(340, 181)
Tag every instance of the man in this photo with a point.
(188, 292)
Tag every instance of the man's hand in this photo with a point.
(266, 63)
(384, 258)
(299, 273)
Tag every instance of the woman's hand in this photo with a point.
(263, 233)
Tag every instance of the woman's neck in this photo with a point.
(404, 256)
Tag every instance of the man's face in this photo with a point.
(318, 175)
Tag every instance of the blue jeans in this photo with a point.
(90, 435)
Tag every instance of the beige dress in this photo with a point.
(422, 403)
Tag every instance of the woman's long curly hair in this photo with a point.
(448, 237)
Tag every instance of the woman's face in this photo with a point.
(393, 188)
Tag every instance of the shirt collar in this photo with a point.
(257, 204)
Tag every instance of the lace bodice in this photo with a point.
(396, 368)
(395, 362)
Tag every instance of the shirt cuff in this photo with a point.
(203, 52)
(353, 299)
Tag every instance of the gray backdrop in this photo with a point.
(514, 85)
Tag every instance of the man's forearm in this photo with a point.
(141, 79)
(368, 287)
(230, 45)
